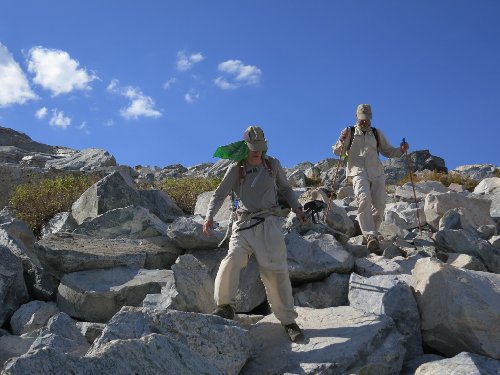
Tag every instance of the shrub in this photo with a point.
(445, 178)
(185, 191)
(38, 201)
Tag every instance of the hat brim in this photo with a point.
(257, 146)
(364, 116)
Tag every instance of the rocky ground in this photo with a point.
(124, 281)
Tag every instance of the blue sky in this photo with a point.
(162, 82)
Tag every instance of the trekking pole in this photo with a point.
(335, 177)
(413, 186)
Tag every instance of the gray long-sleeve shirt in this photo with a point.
(259, 191)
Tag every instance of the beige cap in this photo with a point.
(254, 138)
(364, 112)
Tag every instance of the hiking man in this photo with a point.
(361, 144)
(255, 182)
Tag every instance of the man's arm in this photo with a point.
(287, 192)
(219, 195)
(339, 147)
(386, 149)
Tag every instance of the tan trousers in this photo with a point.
(371, 197)
(266, 241)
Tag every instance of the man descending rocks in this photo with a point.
(361, 145)
(255, 181)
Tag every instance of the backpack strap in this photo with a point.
(375, 133)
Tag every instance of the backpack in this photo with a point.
(351, 138)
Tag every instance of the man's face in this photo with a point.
(254, 157)
(364, 123)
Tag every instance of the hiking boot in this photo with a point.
(372, 244)
(224, 311)
(294, 332)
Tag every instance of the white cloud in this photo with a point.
(140, 105)
(109, 123)
(169, 83)
(185, 62)
(237, 74)
(56, 71)
(14, 86)
(41, 113)
(83, 127)
(59, 120)
(191, 96)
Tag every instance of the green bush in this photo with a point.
(38, 201)
(445, 178)
(184, 191)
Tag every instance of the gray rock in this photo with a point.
(63, 253)
(91, 330)
(337, 218)
(436, 205)
(390, 296)
(297, 178)
(127, 222)
(32, 316)
(187, 232)
(12, 346)
(465, 261)
(188, 288)
(475, 171)
(61, 222)
(495, 241)
(489, 185)
(462, 364)
(202, 205)
(464, 242)
(409, 367)
(251, 292)
(329, 292)
(61, 335)
(96, 295)
(149, 355)
(422, 159)
(405, 193)
(458, 308)
(374, 265)
(13, 291)
(219, 168)
(315, 256)
(339, 340)
(160, 204)
(220, 341)
(85, 160)
(109, 193)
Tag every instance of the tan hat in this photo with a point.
(254, 138)
(364, 112)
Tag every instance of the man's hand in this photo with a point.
(208, 226)
(404, 146)
(344, 134)
(300, 215)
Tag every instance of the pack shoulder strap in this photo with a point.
(351, 138)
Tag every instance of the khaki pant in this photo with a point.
(266, 241)
(371, 197)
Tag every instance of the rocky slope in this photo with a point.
(124, 282)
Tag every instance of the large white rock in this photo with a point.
(221, 342)
(96, 295)
(329, 292)
(202, 205)
(462, 364)
(84, 160)
(187, 232)
(151, 354)
(13, 291)
(390, 296)
(458, 308)
(339, 340)
(315, 256)
(31, 316)
(63, 253)
(436, 205)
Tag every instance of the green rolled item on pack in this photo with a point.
(233, 151)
